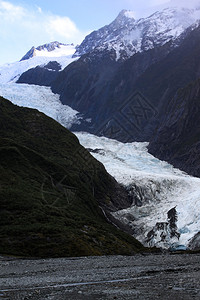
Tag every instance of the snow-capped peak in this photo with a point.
(53, 49)
(124, 15)
(127, 36)
(40, 56)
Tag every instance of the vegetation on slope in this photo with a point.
(51, 189)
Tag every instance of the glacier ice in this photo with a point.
(41, 98)
(157, 186)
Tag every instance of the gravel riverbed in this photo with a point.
(143, 277)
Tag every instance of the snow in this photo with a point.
(164, 186)
(63, 50)
(11, 72)
(129, 14)
(127, 35)
(41, 98)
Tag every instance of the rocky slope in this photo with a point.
(177, 139)
(51, 191)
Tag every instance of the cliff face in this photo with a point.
(177, 140)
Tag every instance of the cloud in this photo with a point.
(154, 5)
(22, 27)
(62, 26)
(38, 22)
(10, 12)
(185, 3)
(39, 9)
(179, 3)
(158, 2)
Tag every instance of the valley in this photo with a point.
(154, 186)
(130, 93)
(100, 150)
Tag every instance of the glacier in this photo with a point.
(42, 99)
(161, 194)
(159, 186)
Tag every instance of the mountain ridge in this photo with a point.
(49, 47)
(127, 36)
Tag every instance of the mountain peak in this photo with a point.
(126, 13)
(127, 36)
(124, 17)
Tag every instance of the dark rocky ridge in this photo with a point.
(41, 75)
(98, 86)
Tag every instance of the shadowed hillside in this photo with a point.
(51, 189)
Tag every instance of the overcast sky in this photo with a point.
(27, 23)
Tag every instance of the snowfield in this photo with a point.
(62, 50)
(11, 72)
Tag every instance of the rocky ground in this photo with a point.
(110, 277)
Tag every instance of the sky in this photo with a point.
(27, 23)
